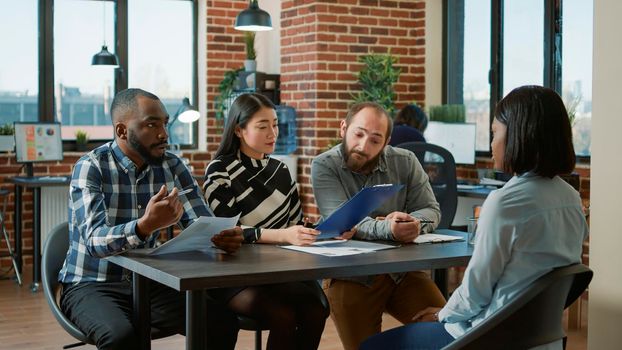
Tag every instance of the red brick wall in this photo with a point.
(225, 51)
(320, 44)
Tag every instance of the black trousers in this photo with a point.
(103, 311)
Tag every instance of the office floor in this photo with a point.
(27, 323)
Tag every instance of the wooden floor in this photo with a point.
(27, 323)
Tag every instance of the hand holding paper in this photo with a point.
(198, 236)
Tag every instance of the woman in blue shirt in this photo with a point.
(532, 225)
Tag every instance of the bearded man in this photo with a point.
(365, 159)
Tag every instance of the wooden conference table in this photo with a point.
(194, 272)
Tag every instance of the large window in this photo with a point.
(19, 89)
(171, 75)
(523, 33)
(82, 92)
(577, 70)
(494, 46)
(49, 76)
(476, 90)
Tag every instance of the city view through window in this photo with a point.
(160, 58)
(523, 61)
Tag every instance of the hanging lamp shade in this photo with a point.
(105, 58)
(253, 19)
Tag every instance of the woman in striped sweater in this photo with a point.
(243, 179)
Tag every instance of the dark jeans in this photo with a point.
(103, 311)
(413, 336)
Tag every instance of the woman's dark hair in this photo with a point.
(539, 136)
(414, 116)
(241, 111)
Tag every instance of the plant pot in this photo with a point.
(7, 143)
(250, 65)
(81, 147)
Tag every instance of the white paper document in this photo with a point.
(197, 236)
(436, 238)
(339, 247)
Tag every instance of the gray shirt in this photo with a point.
(333, 184)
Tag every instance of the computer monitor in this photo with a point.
(457, 138)
(37, 142)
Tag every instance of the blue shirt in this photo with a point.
(107, 196)
(527, 228)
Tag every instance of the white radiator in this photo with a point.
(54, 202)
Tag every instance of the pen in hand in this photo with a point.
(186, 191)
(420, 221)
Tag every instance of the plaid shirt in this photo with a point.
(108, 195)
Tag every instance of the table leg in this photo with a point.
(440, 278)
(17, 225)
(141, 310)
(196, 323)
(36, 240)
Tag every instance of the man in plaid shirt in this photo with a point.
(122, 193)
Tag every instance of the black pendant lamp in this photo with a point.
(105, 57)
(253, 19)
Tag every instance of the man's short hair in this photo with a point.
(125, 101)
(357, 107)
(539, 135)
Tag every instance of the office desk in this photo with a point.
(254, 264)
(34, 182)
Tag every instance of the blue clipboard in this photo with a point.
(356, 209)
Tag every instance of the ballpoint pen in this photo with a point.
(420, 221)
(186, 191)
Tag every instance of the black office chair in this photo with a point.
(533, 317)
(54, 252)
(440, 166)
(249, 324)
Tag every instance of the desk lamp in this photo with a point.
(186, 114)
(253, 19)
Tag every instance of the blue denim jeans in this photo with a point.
(413, 336)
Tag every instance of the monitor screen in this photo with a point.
(38, 142)
(457, 138)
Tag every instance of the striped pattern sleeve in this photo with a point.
(217, 189)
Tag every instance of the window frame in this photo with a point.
(453, 41)
(46, 61)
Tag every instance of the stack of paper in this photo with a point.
(340, 247)
(436, 238)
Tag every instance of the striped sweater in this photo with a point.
(262, 191)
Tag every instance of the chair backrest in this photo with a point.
(440, 166)
(54, 252)
(533, 317)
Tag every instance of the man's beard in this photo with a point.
(144, 152)
(356, 165)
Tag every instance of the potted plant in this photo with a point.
(226, 87)
(250, 65)
(455, 113)
(376, 79)
(7, 140)
(82, 139)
